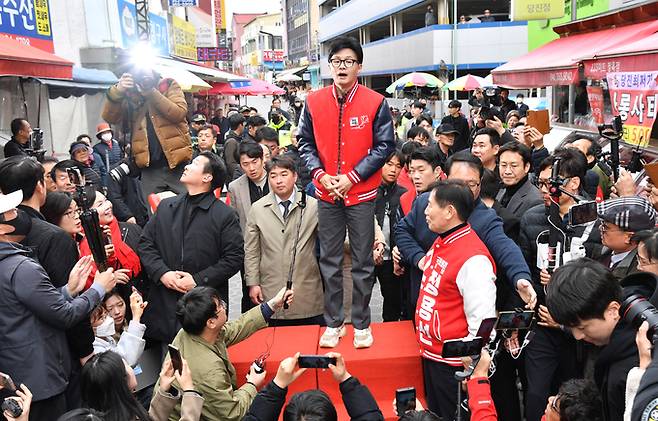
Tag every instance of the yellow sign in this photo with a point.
(637, 135)
(537, 9)
(220, 15)
(42, 19)
(285, 138)
(184, 37)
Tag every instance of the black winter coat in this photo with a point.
(209, 245)
(127, 199)
(359, 402)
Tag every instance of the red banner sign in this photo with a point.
(535, 79)
(269, 55)
(595, 95)
(634, 97)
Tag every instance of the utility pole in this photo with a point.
(572, 87)
(454, 44)
(142, 9)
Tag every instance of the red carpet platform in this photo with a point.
(391, 363)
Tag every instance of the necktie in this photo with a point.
(286, 205)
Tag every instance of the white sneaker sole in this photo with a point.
(325, 343)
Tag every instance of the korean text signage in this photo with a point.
(537, 9)
(214, 54)
(27, 21)
(634, 97)
(269, 55)
(158, 35)
(220, 15)
(184, 38)
(595, 96)
(183, 3)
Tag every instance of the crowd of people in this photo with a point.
(452, 222)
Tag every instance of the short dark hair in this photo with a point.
(408, 148)
(20, 173)
(594, 148)
(276, 98)
(464, 157)
(234, 120)
(49, 159)
(580, 399)
(57, 204)
(310, 405)
(82, 414)
(454, 104)
(424, 415)
(504, 90)
(208, 127)
(82, 136)
(196, 307)
(16, 125)
(427, 154)
(572, 163)
(489, 185)
(346, 42)
(418, 104)
(418, 131)
(251, 149)
(519, 148)
(284, 162)
(267, 133)
(494, 137)
(424, 117)
(255, 121)
(215, 167)
(650, 240)
(399, 155)
(63, 166)
(581, 290)
(455, 193)
(520, 96)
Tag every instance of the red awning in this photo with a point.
(557, 62)
(635, 56)
(255, 87)
(17, 59)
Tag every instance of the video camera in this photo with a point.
(636, 309)
(35, 144)
(610, 162)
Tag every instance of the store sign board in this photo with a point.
(536, 9)
(634, 97)
(205, 32)
(27, 21)
(220, 15)
(269, 55)
(183, 3)
(158, 35)
(214, 54)
(184, 38)
(595, 96)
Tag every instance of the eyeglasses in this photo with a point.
(221, 305)
(603, 227)
(73, 214)
(348, 62)
(512, 166)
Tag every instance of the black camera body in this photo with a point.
(11, 406)
(637, 309)
(35, 144)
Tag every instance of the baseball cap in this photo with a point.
(102, 128)
(628, 213)
(10, 201)
(244, 109)
(446, 128)
(198, 118)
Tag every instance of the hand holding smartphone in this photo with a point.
(176, 360)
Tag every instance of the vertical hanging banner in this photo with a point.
(219, 12)
(184, 38)
(27, 21)
(595, 96)
(158, 36)
(634, 97)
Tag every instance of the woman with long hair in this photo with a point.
(61, 210)
(107, 383)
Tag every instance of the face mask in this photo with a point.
(106, 136)
(519, 101)
(106, 328)
(22, 223)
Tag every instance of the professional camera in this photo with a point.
(125, 168)
(636, 307)
(12, 407)
(35, 145)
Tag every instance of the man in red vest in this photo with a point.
(345, 135)
(457, 291)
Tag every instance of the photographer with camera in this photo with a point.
(21, 131)
(601, 310)
(551, 356)
(155, 110)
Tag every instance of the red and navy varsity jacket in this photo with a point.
(458, 290)
(351, 135)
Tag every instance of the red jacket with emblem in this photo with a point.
(457, 291)
(352, 135)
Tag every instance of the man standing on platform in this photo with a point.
(345, 135)
(457, 291)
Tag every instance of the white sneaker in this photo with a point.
(331, 336)
(363, 338)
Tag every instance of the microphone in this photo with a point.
(302, 203)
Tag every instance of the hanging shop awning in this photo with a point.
(254, 87)
(288, 74)
(18, 59)
(557, 63)
(635, 56)
(188, 81)
(206, 73)
(85, 81)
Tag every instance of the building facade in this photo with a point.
(261, 46)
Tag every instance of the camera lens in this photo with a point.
(636, 310)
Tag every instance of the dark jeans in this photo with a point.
(245, 303)
(504, 385)
(391, 286)
(441, 389)
(48, 409)
(550, 359)
(359, 220)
